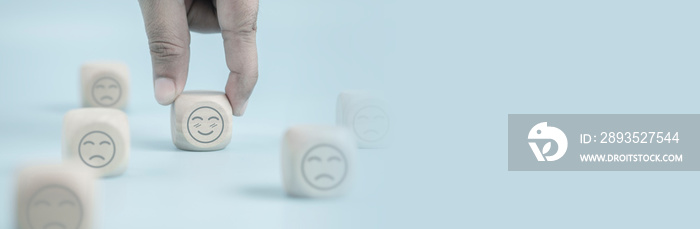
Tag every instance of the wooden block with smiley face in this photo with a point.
(366, 115)
(98, 139)
(104, 84)
(317, 161)
(55, 196)
(201, 121)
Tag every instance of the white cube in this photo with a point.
(201, 121)
(55, 196)
(97, 138)
(366, 116)
(104, 84)
(317, 161)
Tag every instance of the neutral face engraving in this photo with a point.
(205, 124)
(371, 123)
(324, 167)
(54, 207)
(106, 91)
(97, 149)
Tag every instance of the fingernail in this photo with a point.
(164, 90)
(240, 109)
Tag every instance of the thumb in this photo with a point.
(169, 43)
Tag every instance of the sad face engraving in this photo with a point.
(371, 123)
(54, 206)
(324, 167)
(106, 91)
(97, 149)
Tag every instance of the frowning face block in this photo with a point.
(104, 84)
(317, 161)
(366, 116)
(201, 121)
(97, 138)
(55, 196)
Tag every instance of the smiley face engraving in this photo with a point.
(54, 206)
(106, 91)
(324, 167)
(97, 149)
(205, 124)
(371, 123)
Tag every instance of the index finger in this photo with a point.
(238, 21)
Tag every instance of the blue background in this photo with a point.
(455, 69)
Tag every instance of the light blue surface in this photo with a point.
(457, 67)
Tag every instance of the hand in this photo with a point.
(168, 25)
